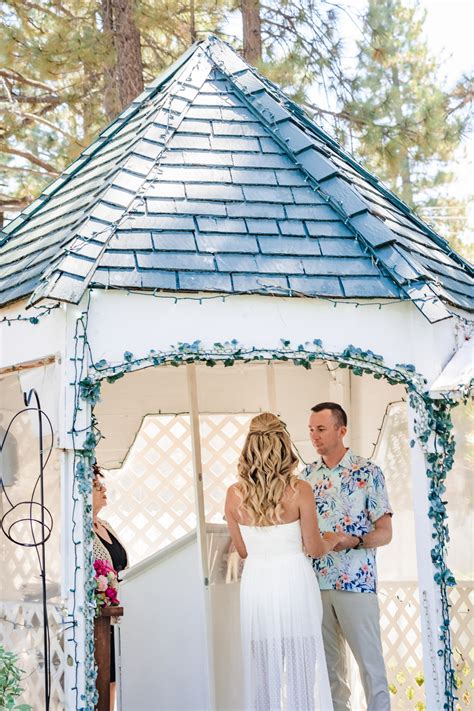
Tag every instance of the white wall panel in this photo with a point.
(163, 632)
(138, 323)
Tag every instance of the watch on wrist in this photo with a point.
(360, 542)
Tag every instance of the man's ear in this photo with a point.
(343, 431)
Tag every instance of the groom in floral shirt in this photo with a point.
(351, 498)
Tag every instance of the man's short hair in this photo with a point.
(338, 413)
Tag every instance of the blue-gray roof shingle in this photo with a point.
(212, 180)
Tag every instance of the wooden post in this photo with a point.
(430, 599)
(201, 521)
(102, 654)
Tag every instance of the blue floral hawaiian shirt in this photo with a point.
(349, 498)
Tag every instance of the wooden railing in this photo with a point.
(102, 654)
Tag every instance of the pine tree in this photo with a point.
(51, 59)
(67, 68)
(295, 43)
(407, 127)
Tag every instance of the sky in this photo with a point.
(449, 29)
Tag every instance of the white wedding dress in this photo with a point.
(281, 614)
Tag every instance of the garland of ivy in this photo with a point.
(82, 530)
(433, 429)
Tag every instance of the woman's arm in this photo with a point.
(314, 544)
(231, 504)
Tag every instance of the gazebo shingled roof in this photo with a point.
(213, 180)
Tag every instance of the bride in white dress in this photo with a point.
(272, 520)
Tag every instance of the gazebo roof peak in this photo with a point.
(213, 180)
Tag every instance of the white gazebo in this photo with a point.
(214, 254)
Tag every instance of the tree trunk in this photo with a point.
(123, 78)
(129, 56)
(111, 96)
(192, 22)
(252, 31)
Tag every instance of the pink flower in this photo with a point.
(361, 484)
(112, 595)
(347, 519)
(101, 583)
(102, 567)
(106, 584)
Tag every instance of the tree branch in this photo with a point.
(30, 157)
(50, 99)
(23, 169)
(45, 122)
(16, 76)
(8, 203)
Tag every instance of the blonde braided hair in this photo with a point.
(265, 470)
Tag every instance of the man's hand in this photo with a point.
(346, 541)
(381, 535)
(335, 539)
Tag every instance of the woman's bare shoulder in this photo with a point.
(303, 488)
(233, 493)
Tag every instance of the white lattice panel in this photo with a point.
(21, 631)
(151, 498)
(21, 620)
(461, 599)
(401, 639)
(20, 571)
(222, 439)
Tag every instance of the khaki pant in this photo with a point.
(354, 617)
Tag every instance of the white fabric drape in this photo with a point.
(281, 613)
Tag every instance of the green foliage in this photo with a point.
(407, 127)
(57, 81)
(56, 62)
(10, 677)
(302, 48)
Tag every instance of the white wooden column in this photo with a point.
(201, 523)
(72, 579)
(430, 599)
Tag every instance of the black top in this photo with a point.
(117, 552)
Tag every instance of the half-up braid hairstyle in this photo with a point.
(265, 469)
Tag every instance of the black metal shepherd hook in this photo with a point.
(41, 518)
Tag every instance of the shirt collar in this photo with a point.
(345, 461)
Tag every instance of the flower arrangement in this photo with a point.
(106, 585)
